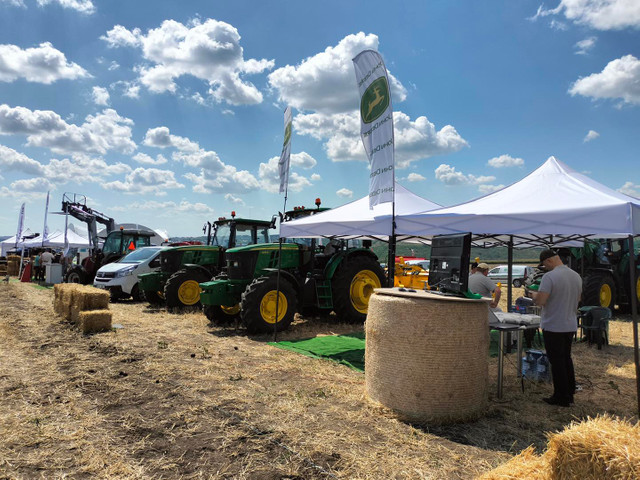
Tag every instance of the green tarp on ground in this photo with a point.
(345, 349)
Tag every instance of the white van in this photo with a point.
(121, 277)
(519, 274)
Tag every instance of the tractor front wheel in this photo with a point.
(183, 289)
(220, 315)
(258, 305)
(599, 290)
(353, 285)
(152, 297)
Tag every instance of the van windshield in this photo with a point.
(139, 256)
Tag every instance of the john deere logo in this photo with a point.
(287, 133)
(375, 100)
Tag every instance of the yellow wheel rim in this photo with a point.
(605, 295)
(361, 289)
(268, 306)
(189, 292)
(230, 310)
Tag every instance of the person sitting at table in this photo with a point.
(482, 285)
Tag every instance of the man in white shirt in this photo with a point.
(46, 258)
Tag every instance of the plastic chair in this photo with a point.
(595, 322)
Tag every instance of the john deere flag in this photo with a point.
(45, 230)
(283, 164)
(376, 124)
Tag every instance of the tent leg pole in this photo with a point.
(634, 315)
(510, 273)
(391, 261)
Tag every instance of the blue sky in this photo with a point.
(171, 113)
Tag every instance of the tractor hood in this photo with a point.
(264, 246)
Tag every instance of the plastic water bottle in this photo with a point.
(525, 366)
(543, 368)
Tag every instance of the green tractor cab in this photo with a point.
(339, 279)
(183, 268)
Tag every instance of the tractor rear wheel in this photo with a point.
(154, 298)
(353, 285)
(183, 289)
(76, 275)
(258, 305)
(599, 290)
(220, 315)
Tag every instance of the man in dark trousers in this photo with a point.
(558, 295)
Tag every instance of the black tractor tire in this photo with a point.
(517, 282)
(599, 289)
(76, 275)
(153, 298)
(221, 316)
(352, 286)
(135, 293)
(181, 289)
(257, 308)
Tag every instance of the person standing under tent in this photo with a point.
(36, 267)
(45, 259)
(558, 295)
(482, 285)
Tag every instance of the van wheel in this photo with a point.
(517, 283)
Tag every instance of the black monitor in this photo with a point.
(449, 267)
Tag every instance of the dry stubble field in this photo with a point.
(168, 396)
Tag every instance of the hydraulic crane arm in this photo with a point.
(76, 205)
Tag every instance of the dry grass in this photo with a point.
(168, 396)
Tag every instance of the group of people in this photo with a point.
(40, 261)
(558, 295)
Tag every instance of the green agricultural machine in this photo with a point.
(183, 268)
(330, 277)
(604, 267)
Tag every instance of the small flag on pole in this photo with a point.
(45, 230)
(376, 124)
(283, 164)
(20, 225)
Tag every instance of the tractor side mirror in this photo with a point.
(273, 221)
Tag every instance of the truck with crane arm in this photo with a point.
(118, 242)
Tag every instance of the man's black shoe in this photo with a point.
(555, 401)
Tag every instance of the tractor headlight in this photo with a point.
(126, 271)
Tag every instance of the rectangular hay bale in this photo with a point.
(526, 466)
(600, 448)
(92, 321)
(86, 298)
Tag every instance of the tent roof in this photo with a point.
(552, 200)
(56, 240)
(356, 219)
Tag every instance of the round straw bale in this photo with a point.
(426, 355)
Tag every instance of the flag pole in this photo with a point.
(283, 167)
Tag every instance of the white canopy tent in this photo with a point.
(356, 219)
(10, 243)
(56, 240)
(552, 200)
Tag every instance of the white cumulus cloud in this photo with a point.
(487, 188)
(415, 177)
(619, 79)
(630, 188)
(344, 193)
(269, 176)
(325, 82)
(233, 199)
(145, 180)
(584, 46)
(149, 160)
(42, 64)
(450, 176)
(100, 96)
(99, 133)
(591, 135)
(82, 6)
(11, 160)
(505, 161)
(597, 14)
(209, 51)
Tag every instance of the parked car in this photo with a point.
(424, 264)
(519, 274)
(121, 277)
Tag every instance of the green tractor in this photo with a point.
(183, 268)
(604, 267)
(331, 277)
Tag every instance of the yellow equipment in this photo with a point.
(410, 276)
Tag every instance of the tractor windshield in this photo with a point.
(120, 243)
(221, 235)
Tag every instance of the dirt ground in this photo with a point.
(169, 396)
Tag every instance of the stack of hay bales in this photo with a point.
(84, 305)
(596, 449)
(13, 265)
(3, 270)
